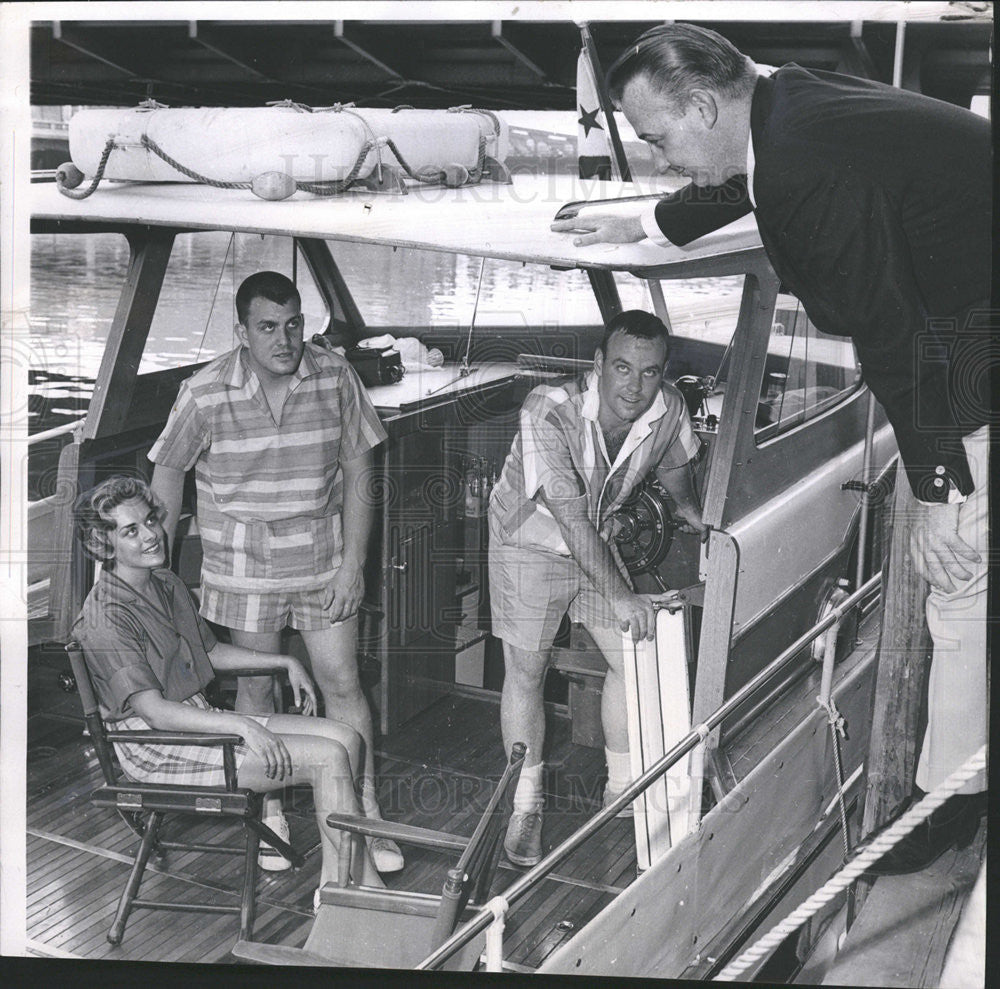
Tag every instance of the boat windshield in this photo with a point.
(423, 291)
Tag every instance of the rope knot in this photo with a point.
(290, 105)
(834, 718)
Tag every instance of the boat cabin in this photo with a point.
(779, 408)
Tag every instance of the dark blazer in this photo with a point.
(874, 205)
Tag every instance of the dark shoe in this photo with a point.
(523, 842)
(953, 825)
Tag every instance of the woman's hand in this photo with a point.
(270, 748)
(302, 686)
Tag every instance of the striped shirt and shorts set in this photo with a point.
(270, 494)
(134, 642)
(559, 447)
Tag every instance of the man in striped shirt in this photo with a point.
(280, 434)
(582, 447)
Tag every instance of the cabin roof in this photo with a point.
(490, 220)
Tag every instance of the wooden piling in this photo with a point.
(898, 712)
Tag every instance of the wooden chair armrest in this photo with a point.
(252, 671)
(174, 737)
(406, 833)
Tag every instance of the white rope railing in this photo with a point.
(854, 869)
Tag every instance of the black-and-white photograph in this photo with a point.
(498, 487)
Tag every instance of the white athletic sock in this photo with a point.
(528, 797)
(619, 771)
(369, 799)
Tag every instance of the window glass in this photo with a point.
(196, 314)
(703, 313)
(431, 290)
(692, 302)
(806, 371)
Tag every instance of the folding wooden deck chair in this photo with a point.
(144, 805)
(359, 926)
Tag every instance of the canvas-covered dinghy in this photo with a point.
(327, 148)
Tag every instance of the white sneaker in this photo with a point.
(270, 859)
(385, 854)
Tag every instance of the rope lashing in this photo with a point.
(290, 105)
(469, 108)
(372, 136)
(852, 871)
(499, 907)
(477, 174)
(94, 182)
(837, 731)
(331, 188)
(150, 145)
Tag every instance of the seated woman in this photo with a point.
(151, 655)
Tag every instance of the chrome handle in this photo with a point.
(399, 567)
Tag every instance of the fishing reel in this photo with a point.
(644, 529)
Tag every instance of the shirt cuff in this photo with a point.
(955, 497)
(652, 229)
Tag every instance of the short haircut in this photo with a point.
(639, 324)
(270, 285)
(93, 513)
(676, 58)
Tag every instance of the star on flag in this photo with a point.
(588, 120)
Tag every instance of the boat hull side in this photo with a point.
(658, 927)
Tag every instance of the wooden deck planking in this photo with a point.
(577, 910)
(436, 772)
(538, 914)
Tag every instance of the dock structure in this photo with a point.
(902, 934)
(524, 63)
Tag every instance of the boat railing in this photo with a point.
(496, 909)
(51, 434)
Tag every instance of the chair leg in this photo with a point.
(248, 904)
(135, 878)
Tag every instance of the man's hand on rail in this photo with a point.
(636, 613)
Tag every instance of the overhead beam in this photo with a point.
(72, 39)
(204, 37)
(338, 33)
(855, 58)
(497, 34)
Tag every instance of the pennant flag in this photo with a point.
(592, 138)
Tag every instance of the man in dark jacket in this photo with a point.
(874, 207)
